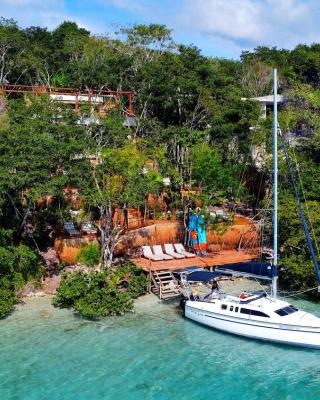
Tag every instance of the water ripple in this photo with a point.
(48, 353)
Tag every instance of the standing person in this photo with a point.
(215, 289)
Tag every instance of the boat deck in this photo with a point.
(210, 260)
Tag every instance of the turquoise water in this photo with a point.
(49, 354)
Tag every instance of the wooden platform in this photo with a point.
(210, 260)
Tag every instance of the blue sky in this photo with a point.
(220, 28)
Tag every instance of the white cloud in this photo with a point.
(131, 5)
(232, 25)
(47, 13)
(234, 19)
(249, 23)
(227, 26)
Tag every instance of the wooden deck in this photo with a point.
(210, 260)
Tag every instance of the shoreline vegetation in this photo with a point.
(96, 294)
(190, 144)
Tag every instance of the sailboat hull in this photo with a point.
(294, 335)
(254, 316)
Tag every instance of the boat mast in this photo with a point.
(275, 185)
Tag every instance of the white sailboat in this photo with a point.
(256, 315)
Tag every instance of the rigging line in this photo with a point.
(304, 223)
(262, 234)
(264, 216)
(261, 286)
(241, 180)
(287, 293)
(293, 294)
(305, 201)
(259, 192)
(263, 219)
(260, 240)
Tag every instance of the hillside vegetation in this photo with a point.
(191, 122)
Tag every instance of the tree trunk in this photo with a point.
(110, 235)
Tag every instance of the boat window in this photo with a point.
(286, 310)
(224, 306)
(236, 309)
(253, 312)
(231, 308)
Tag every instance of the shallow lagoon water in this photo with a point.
(48, 353)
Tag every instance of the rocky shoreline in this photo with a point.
(47, 288)
(50, 283)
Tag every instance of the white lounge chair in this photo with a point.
(147, 253)
(158, 252)
(168, 248)
(179, 248)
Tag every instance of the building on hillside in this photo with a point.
(258, 151)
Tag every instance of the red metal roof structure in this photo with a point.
(102, 98)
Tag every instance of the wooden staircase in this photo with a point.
(164, 284)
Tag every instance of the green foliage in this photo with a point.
(154, 35)
(7, 259)
(18, 265)
(133, 277)
(35, 158)
(19, 259)
(297, 272)
(26, 262)
(191, 123)
(99, 294)
(6, 236)
(220, 180)
(7, 296)
(296, 268)
(89, 255)
(121, 179)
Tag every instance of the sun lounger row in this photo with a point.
(170, 252)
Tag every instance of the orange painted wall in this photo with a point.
(68, 248)
(243, 232)
(228, 238)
